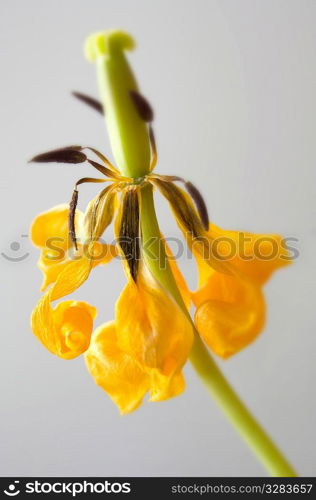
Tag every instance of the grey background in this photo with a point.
(233, 86)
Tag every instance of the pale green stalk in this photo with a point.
(131, 149)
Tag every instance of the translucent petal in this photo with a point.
(153, 330)
(230, 313)
(114, 370)
(66, 330)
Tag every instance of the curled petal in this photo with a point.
(66, 330)
(163, 387)
(153, 330)
(114, 370)
(68, 334)
(256, 255)
(230, 313)
(99, 213)
(73, 275)
(51, 267)
(230, 308)
(50, 229)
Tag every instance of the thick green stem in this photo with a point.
(254, 435)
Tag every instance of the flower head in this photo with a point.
(145, 347)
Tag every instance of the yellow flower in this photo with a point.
(145, 347)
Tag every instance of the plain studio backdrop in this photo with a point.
(233, 88)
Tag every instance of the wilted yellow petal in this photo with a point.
(99, 213)
(230, 313)
(59, 336)
(230, 308)
(256, 255)
(163, 387)
(154, 331)
(100, 253)
(114, 370)
(65, 330)
(50, 228)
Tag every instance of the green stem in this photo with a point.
(235, 410)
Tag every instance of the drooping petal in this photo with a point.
(256, 255)
(114, 370)
(230, 307)
(101, 253)
(50, 269)
(190, 223)
(49, 231)
(163, 387)
(100, 212)
(52, 227)
(68, 335)
(153, 330)
(230, 313)
(66, 330)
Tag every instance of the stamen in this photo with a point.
(102, 158)
(199, 203)
(185, 215)
(61, 155)
(71, 217)
(154, 155)
(73, 205)
(73, 154)
(195, 195)
(143, 107)
(105, 171)
(90, 101)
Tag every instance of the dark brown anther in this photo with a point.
(90, 101)
(71, 217)
(74, 154)
(143, 107)
(73, 205)
(199, 203)
(61, 155)
(129, 231)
